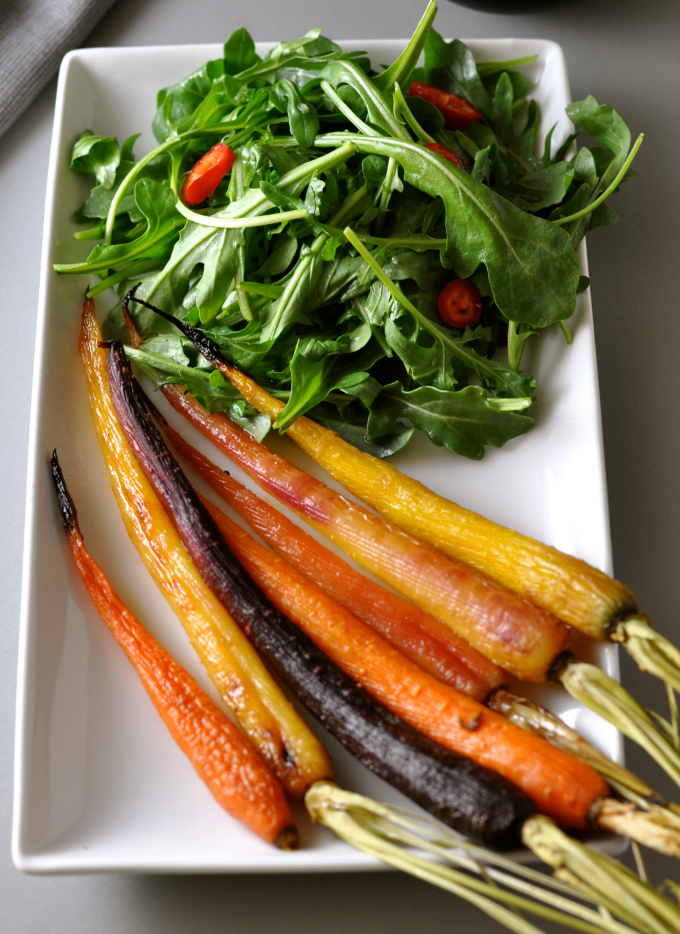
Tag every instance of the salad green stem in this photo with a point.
(424, 322)
(127, 272)
(261, 220)
(608, 191)
(568, 336)
(347, 111)
(401, 108)
(150, 156)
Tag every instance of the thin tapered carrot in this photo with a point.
(561, 786)
(267, 717)
(421, 637)
(571, 589)
(235, 774)
(510, 631)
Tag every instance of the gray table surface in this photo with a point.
(624, 52)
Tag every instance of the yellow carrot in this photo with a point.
(267, 717)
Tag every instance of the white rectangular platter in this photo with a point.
(100, 785)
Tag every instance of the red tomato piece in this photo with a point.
(447, 153)
(458, 114)
(206, 175)
(459, 304)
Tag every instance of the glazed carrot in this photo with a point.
(225, 761)
(575, 592)
(513, 633)
(266, 716)
(421, 637)
(560, 785)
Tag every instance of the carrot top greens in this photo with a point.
(331, 154)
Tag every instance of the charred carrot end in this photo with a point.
(235, 774)
(560, 785)
(421, 637)
(283, 739)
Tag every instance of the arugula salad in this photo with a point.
(314, 215)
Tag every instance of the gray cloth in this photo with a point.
(34, 36)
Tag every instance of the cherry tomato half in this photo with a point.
(458, 114)
(447, 153)
(207, 173)
(459, 304)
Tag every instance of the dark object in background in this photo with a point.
(509, 6)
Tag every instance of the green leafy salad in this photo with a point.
(317, 261)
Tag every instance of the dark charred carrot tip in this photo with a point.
(559, 664)
(130, 295)
(203, 344)
(105, 345)
(288, 839)
(69, 516)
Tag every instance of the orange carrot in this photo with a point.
(286, 743)
(421, 637)
(507, 629)
(563, 787)
(235, 774)
(574, 591)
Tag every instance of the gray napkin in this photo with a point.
(34, 36)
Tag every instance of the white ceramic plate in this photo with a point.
(100, 785)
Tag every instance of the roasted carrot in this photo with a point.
(559, 784)
(421, 637)
(236, 776)
(587, 683)
(416, 633)
(568, 587)
(280, 735)
(450, 786)
(505, 628)
(562, 787)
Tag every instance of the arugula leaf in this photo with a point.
(451, 66)
(532, 266)
(239, 52)
(462, 421)
(303, 118)
(352, 427)
(156, 203)
(177, 103)
(214, 392)
(313, 380)
(98, 156)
